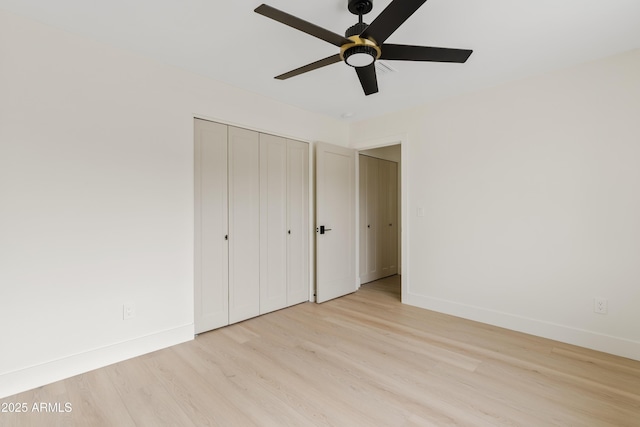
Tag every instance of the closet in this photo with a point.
(251, 224)
(378, 218)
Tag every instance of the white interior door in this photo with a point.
(335, 221)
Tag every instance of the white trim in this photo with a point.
(55, 370)
(357, 211)
(312, 223)
(567, 334)
(249, 127)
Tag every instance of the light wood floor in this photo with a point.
(361, 360)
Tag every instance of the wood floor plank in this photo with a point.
(361, 360)
(91, 394)
(201, 401)
(345, 395)
(264, 385)
(147, 401)
(218, 374)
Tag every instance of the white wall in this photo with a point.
(96, 197)
(531, 192)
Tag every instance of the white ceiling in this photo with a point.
(227, 41)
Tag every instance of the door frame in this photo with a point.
(404, 231)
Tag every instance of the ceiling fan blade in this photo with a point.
(390, 19)
(368, 79)
(302, 25)
(400, 52)
(310, 67)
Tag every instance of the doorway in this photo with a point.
(380, 214)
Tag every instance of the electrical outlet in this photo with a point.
(128, 311)
(600, 305)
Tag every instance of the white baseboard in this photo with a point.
(36, 376)
(581, 337)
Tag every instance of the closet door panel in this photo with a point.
(362, 203)
(244, 224)
(372, 260)
(389, 214)
(273, 223)
(391, 241)
(298, 222)
(211, 249)
(383, 209)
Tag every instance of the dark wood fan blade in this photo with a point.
(368, 79)
(313, 66)
(302, 25)
(390, 19)
(400, 52)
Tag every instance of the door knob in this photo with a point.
(323, 229)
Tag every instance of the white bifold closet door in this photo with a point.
(244, 224)
(227, 185)
(251, 224)
(284, 219)
(212, 252)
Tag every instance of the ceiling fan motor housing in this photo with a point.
(356, 30)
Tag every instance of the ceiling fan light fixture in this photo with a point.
(360, 56)
(360, 52)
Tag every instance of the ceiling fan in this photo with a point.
(363, 44)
